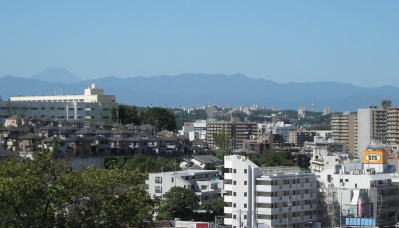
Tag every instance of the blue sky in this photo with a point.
(301, 41)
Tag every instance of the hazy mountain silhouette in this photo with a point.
(57, 74)
(202, 89)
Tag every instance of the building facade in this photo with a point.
(344, 130)
(371, 127)
(268, 197)
(363, 193)
(205, 183)
(392, 136)
(92, 105)
(236, 131)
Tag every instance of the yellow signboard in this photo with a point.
(373, 157)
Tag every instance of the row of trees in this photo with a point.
(182, 203)
(160, 118)
(142, 163)
(46, 193)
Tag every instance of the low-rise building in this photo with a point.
(205, 183)
(92, 105)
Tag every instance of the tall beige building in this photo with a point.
(392, 136)
(344, 130)
(237, 132)
(372, 127)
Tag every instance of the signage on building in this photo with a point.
(373, 157)
(360, 222)
(202, 225)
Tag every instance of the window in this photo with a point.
(234, 194)
(245, 205)
(245, 182)
(234, 171)
(245, 194)
(234, 182)
(158, 189)
(158, 180)
(173, 179)
(245, 170)
(204, 187)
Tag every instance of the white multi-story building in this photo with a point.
(279, 127)
(301, 113)
(194, 130)
(268, 197)
(360, 193)
(205, 183)
(92, 105)
(325, 154)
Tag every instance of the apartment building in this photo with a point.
(92, 105)
(268, 197)
(371, 127)
(325, 154)
(344, 130)
(236, 131)
(360, 194)
(194, 130)
(392, 136)
(298, 138)
(205, 183)
(277, 128)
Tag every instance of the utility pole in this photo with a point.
(239, 218)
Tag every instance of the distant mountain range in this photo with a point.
(202, 89)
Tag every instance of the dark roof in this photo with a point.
(14, 117)
(96, 137)
(207, 159)
(29, 136)
(48, 127)
(76, 139)
(5, 153)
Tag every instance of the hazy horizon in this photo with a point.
(283, 41)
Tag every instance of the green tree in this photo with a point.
(275, 158)
(142, 163)
(160, 118)
(219, 154)
(46, 193)
(113, 115)
(223, 142)
(178, 203)
(129, 114)
(214, 207)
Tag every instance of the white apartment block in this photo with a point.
(205, 183)
(325, 154)
(360, 192)
(92, 105)
(279, 127)
(194, 130)
(268, 197)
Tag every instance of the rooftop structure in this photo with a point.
(205, 183)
